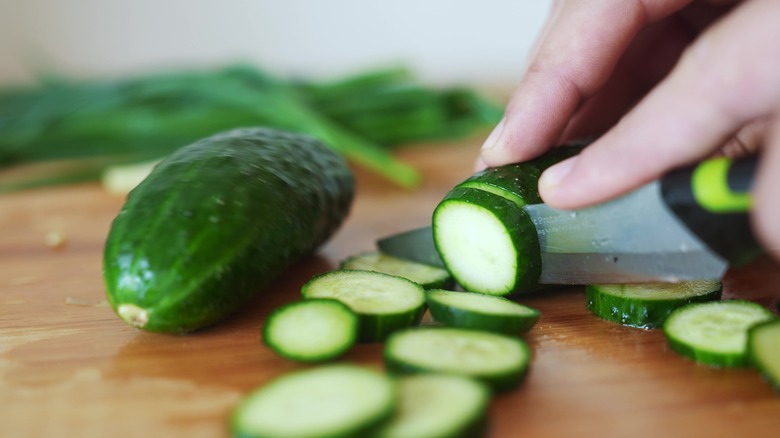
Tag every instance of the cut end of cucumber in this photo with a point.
(484, 257)
(133, 315)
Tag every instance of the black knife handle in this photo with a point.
(713, 199)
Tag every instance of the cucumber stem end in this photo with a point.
(133, 315)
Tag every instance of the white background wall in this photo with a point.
(444, 41)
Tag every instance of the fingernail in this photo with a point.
(494, 136)
(553, 176)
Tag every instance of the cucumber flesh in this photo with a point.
(485, 238)
(476, 245)
(384, 303)
(764, 350)
(714, 333)
(480, 312)
(429, 277)
(327, 401)
(647, 305)
(438, 406)
(499, 361)
(311, 330)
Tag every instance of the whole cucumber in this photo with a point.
(217, 221)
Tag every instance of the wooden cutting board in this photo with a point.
(70, 367)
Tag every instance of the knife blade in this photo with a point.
(644, 236)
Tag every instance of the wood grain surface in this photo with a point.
(70, 367)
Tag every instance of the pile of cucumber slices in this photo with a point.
(439, 377)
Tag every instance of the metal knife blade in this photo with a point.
(416, 245)
(631, 239)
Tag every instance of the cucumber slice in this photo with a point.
(485, 239)
(480, 312)
(327, 401)
(311, 330)
(714, 333)
(499, 361)
(429, 277)
(647, 305)
(487, 242)
(439, 406)
(384, 303)
(764, 350)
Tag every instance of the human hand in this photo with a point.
(662, 83)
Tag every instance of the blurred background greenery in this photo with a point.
(90, 84)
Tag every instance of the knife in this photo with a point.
(691, 224)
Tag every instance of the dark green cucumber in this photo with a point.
(327, 401)
(484, 237)
(384, 303)
(764, 350)
(217, 221)
(647, 305)
(311, 330)
(497, 360)
(429, 277)
(714, 333)
(438, 406)
(480, 312)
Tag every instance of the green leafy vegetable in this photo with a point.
(84, 126)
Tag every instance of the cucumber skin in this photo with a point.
(220, 219)
(520, 228)
(505, 324)
(649, 314)
(518, 183)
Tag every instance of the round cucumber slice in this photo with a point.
(438, 406)
(311, 330)
(429, 277)
(327, 401)
(647, 305)
(384, 303)
(499, 361)
(764, 350)
(487, 242)
(714, 333)
(480, 312)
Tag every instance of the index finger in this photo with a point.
(577, 52)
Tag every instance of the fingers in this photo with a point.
(766, 211)
(652, 54)
(722, 82)
(578, 53)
